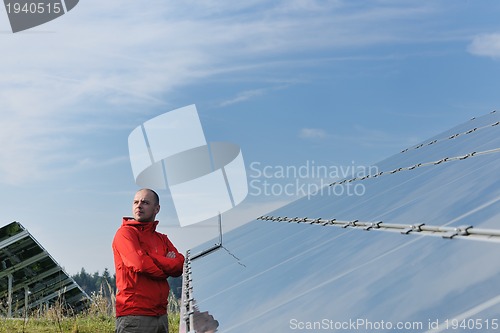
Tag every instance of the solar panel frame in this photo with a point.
(30, 277)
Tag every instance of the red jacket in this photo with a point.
(142, 268)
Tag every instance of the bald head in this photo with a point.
(155, 195)
(146, 205)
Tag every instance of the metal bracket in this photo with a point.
(350, 224)
(209, 250)
(458, 231)
(317, 221)
(375, 225)
(329, 222)
(414, 227)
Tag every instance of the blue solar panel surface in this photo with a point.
(301, 277)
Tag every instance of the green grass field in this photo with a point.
(98, 318)
(76, 324)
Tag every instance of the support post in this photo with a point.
(26, 300)
(9, 297)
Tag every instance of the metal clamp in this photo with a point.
(331, 221)
(374, 225)
(316, 221)
(458, 231)
(395, 170)
(413, 227)
(350, 224)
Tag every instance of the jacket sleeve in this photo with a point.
(170, 266)
(126, 245)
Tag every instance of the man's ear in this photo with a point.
(157, 209)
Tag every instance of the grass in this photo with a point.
(75, 324)
(98, 318)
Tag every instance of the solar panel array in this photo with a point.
(30, 278)
(417, 251)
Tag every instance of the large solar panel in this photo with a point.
(418, 251)
(30, 278)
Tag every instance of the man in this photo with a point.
(144, 259)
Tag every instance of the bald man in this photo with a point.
(144, 259)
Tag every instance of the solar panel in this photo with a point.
(416, 250)
(30, 277)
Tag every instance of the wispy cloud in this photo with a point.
(312, 133)
(485, 45)
(254, 93)
(243, 96)
(116, 58)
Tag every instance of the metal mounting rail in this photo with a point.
(418, 165)
(491, 235)
(470, 131)
(187, 296)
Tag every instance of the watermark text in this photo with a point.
(306, 179)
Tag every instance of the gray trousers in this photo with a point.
(142, 324)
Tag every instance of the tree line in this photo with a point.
(105, 283)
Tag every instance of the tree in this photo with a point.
(96, 283)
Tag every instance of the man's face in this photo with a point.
(144, 206)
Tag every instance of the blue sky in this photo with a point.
(340, 83)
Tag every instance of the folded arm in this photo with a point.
(126, 245)
(172, 263)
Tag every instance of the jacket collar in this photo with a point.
(148, 226)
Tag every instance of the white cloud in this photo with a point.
(116, 58)
(243, 96)
(254, 93)
(312, 133)
(485, 45)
